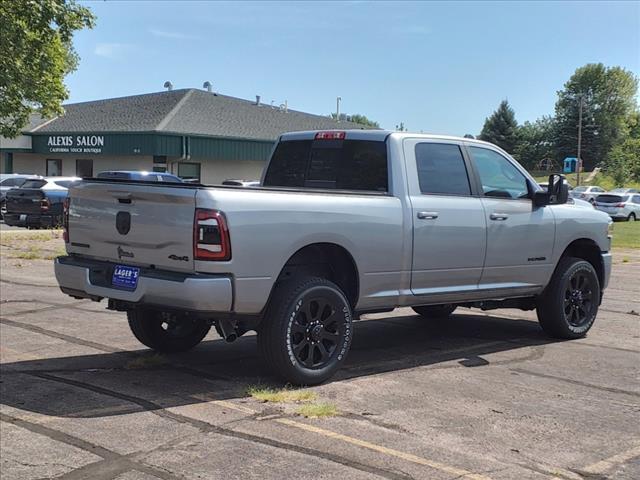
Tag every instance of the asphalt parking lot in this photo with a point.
(484, 395)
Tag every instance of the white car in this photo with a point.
(619, 207)
(587, 192)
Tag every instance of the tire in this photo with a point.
(631, 217)
(165, 332)
(568, 306)
(435, 311)
(306, 333)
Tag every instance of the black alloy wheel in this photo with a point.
(578, 299)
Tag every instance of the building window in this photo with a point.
(159, 169)
(84, 168)
(8, 162)
(54, 167)
(159, 159)
(189, 171)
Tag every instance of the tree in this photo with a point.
(534, 142)
(608, 99)
(37, 54)
(356, 118)
(623, 162)
(501, 128)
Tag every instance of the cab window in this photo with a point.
(441, 169)
(499, 177)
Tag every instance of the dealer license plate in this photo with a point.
(125, 277)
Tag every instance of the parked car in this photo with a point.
(242, 183)
(619, 207)
(38, 203)
(9, 181)
(587, 192)
(624, 191)
(344, 223)
(140, 175)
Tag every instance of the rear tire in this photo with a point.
(166, 332)
(568, 306)
(306, 333)
(435, 311)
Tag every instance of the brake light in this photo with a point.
(210, 236)
(330, 135)
(65, 219)
(45, 204)
(619, 205)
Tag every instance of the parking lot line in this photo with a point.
(384, 450)
(360, 443)
(608, 463)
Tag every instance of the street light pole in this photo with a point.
(338, 108)
(580, 103)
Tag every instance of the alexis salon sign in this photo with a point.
(75, 143)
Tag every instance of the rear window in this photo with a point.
(34, 183)
(580, 189)
(329, 164)
(611, 198)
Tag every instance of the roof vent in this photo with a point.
(258, 100)
(168, 85)
(207, 85)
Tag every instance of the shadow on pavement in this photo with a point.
(106, 384)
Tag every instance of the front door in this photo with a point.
(449, 228)
(520, 236)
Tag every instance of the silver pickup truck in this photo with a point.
(343, 223)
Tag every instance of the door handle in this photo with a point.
(428, 215)
(498, 216)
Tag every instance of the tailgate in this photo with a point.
(24, 200)
(135, 224)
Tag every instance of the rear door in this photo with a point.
(449, 228)
(136, 224)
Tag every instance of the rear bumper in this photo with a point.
(607, 261)
(193, 292)
(29, 220)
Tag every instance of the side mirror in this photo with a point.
(558, 189)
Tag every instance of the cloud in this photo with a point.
(172, 35)
(111, 50)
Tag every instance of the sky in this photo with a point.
(436, 67)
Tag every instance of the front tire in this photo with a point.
(307, 331)
(435, 311)
(568, 306)
(165, 332)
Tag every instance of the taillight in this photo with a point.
(45, 204)
(65, 219)
(330, 135)
(619, 205)
(210, 236)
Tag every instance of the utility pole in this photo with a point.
(338, 99)
(579, 162)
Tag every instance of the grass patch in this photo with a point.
(31, 253)
(601, 179)
(626, 235)
(318, 410)
(60, 251)
(37, 235)
(265, 394)
(145, 361)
